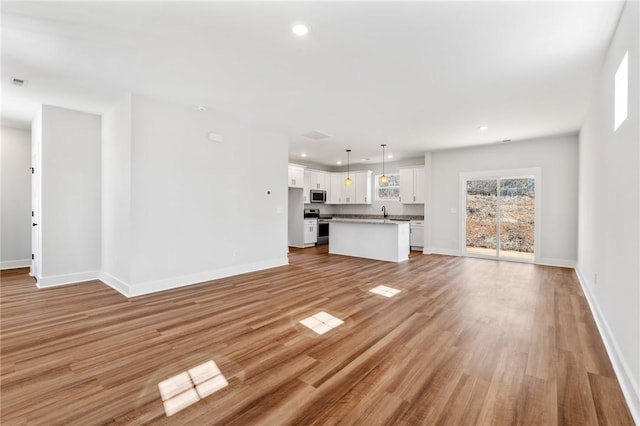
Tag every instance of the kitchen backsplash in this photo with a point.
(393, 208)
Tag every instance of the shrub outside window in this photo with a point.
(390, 190)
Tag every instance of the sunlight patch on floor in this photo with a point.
(180, 391)
(321, 322)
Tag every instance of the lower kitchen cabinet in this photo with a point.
(310, 231)
(417, 234)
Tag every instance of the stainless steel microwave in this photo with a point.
(318, 196)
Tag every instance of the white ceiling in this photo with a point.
(418, 76)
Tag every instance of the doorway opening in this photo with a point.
(500, 213)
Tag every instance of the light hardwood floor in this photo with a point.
(467, 341)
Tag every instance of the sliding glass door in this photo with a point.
(516, 232)
(500, 217)
(482, 207)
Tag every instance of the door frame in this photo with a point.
(535, 172)
(36, 201)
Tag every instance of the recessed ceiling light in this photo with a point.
(300, 29)
(389, 156)
(303, 155)
(338, 162)
(483, 128)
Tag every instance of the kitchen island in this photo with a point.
(379, 239)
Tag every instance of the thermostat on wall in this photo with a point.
(215, 137)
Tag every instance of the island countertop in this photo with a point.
(364, 220)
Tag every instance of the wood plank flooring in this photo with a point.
(467, 341)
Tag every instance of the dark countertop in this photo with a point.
(371, 216)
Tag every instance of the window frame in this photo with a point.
(377, 187)
(621, 93)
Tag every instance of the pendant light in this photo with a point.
(383, 180)
(347, 180)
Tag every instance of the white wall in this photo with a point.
(200, 209)
(15, 197)
(69, 223)
(609, 214)
(116, 193)
(557, 156)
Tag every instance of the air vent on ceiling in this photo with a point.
(19, 82)
(316, 135)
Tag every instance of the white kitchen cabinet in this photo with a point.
(420, 184)
(412, 185)
(362, 181)
(310, 231)
(335, 193)
(296, 176)
(319, 180)
(359, 192)
(349, 191)
(417, 234)
(306, 191)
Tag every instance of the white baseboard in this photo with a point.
(629, 386)
(444, 251)
(563, 263)
(56, 280)
(12, 264)
(116, 284)
(132, 290)
(175, 282)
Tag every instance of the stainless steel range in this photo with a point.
(323, 231)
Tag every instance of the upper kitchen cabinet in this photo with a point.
(412, 185)
(359, 192)
(363, 191)
(306, 193)
(336, 184)
(296, 176)
(319, 180)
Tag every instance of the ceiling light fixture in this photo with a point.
(19, 82)
(303, 155)
(347, 180)
(483, 128)
(339, 162)
(389, 156)
(300, 29)
(383, 180)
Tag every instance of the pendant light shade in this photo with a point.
(383, 179)
(347, 180)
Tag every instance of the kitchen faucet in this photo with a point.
(384, 211)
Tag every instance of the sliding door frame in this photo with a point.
(534, 172)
